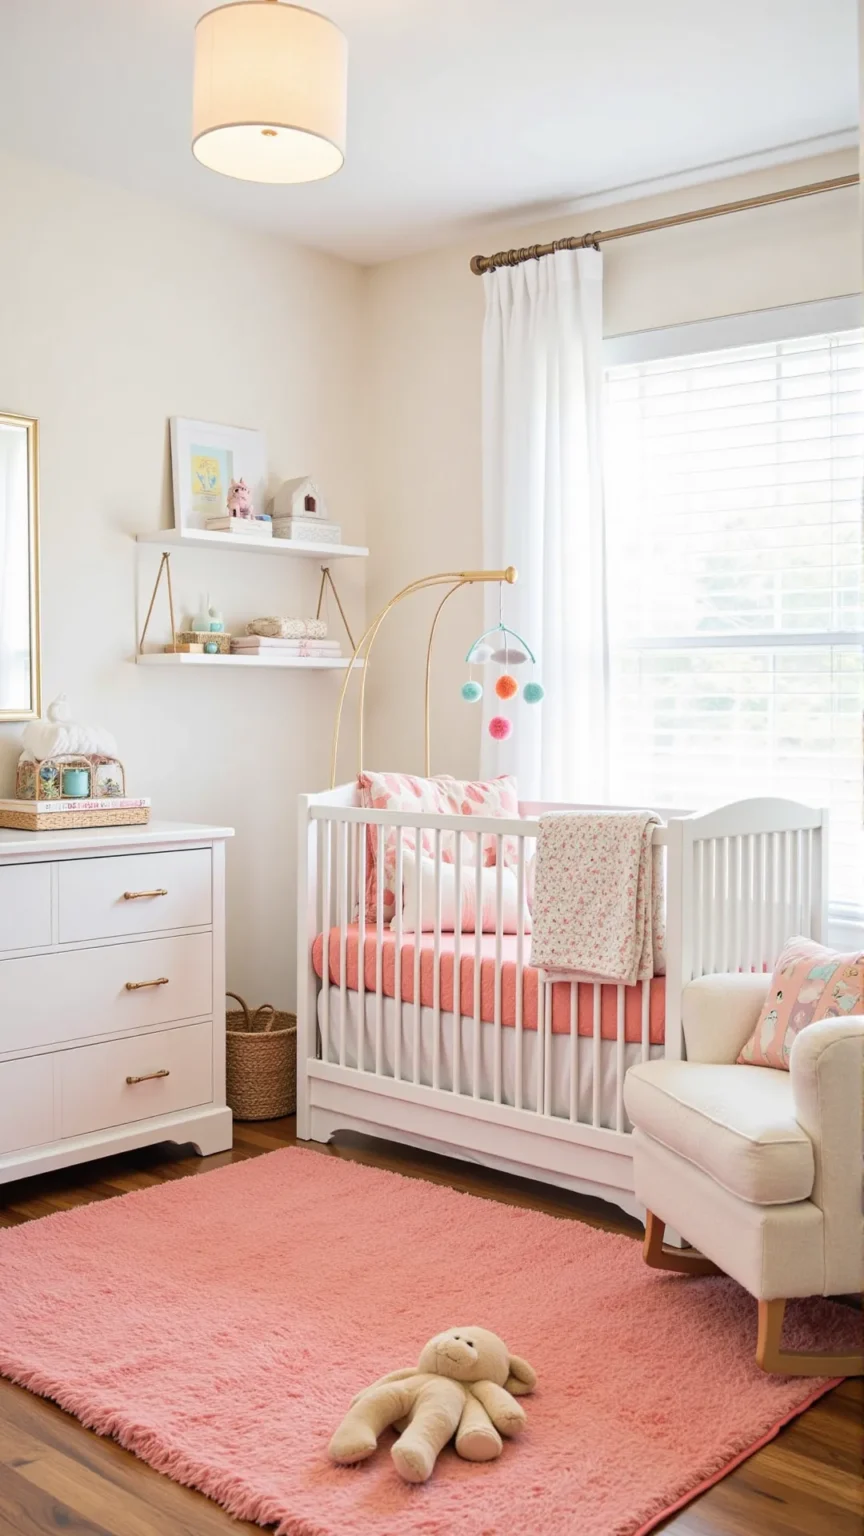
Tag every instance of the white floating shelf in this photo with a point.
(173, 538)
(215, 663)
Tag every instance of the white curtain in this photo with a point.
(543, 513)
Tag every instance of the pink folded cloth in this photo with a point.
(598, 896)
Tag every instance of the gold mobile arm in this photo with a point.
(455, 580)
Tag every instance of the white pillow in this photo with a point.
(488, 896)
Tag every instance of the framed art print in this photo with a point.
(205, 458)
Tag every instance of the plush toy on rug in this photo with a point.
(462, 1385)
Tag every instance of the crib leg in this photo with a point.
(658, 1255)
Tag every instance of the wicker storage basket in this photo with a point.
(261, 1065)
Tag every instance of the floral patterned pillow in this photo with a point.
(810, 982)
(442, 795)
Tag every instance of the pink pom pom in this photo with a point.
(500, 727)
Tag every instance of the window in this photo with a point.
(736, 613)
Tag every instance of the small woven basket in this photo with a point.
(261, 1063)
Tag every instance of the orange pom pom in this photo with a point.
(506, 686)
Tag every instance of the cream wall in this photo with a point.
(424, 316)
(115, 314)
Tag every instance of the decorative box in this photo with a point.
(310, 529)
(204, 637)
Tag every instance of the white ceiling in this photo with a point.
(460, 111)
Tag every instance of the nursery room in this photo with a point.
(431, 1074)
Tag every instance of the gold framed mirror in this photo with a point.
(20, 662)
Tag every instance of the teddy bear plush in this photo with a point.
(465, 1384)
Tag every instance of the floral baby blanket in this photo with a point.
(598, 896)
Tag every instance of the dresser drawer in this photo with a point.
(26, 1103)
(134, 893)
(47, 999)
(170, 1071)
(25, 906)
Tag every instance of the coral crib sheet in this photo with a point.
(560, 990)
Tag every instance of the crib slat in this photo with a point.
(747, 910)
(326, 858)
(646, 1020)
(698, 903)
(807, 884)
(361, 942)
(760, 897)
(595, 1055)
(542, 989)
(547, 1048)
(342, 897)
(783, 883)
(379, 958)
(478, 957)
(418, 940)
(499, 948)
(734, 958)
(708, 915)
(457, 968)
(436, 966)
(720, 925)
(520, 966)
(574, 1052)
(397, 958)
(795, 886)
(619, 1060)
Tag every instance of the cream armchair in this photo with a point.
(759, 1169)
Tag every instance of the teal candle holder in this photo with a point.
(76, 783)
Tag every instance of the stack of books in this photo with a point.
(246, 527)
(55, 815)
(263, 645)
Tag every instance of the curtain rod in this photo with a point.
(514, 258)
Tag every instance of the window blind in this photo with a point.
(736, 613)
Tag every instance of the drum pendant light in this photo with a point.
(270, 92)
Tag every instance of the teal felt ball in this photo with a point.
(532, 693)
(471, 692)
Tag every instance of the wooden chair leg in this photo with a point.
(683, 1261)
(772, 1358)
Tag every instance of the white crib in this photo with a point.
(518, 1093)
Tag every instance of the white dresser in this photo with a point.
(112, 993)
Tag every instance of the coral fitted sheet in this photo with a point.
(633, 996)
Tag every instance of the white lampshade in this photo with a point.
(270, 92)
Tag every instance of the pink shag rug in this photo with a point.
(218, 1327)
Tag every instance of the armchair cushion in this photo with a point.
(735, 1123)
(719, 1013)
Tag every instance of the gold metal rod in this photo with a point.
(328, 576)
(367, 639)
(515, 257)
(147, 1077)
(135, 986)
(152, 601)
(167, 559)
(140, 895)
(428, 689)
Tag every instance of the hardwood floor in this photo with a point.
(57, 1476)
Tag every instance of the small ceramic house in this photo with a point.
(299, 498)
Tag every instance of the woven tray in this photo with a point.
(219, 638)
(261, 1061)
(69, 821)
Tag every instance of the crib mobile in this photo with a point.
(481, 653)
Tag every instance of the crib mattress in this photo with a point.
(408, 1053)
(646, 1002)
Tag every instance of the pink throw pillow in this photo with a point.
(443, 796)
(810, 982)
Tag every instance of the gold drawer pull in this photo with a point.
(147, 1077)
(135, 986)
(141, 895)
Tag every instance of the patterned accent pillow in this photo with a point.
(810, 982)
(444, 796)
